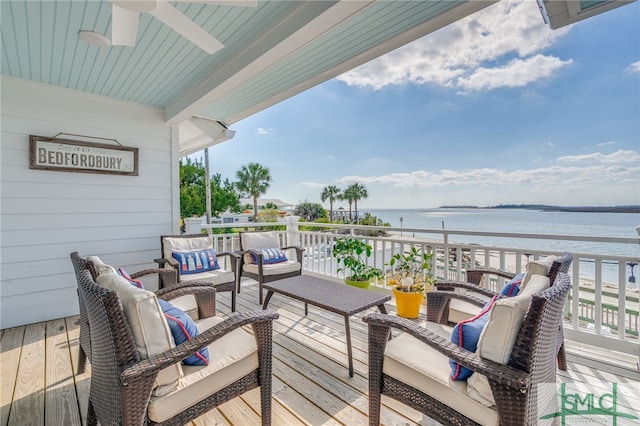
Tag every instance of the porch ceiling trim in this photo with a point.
(230, 77)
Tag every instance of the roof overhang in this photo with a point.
(271, 52)
(560, 13)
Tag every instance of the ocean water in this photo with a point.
(523, 221)
(529, 222)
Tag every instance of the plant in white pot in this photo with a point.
(351, 254)
(410, 279)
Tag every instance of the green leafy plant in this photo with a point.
(352, 254)
(410, 271)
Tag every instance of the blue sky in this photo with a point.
(496, 108)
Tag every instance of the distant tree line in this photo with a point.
(253, 180)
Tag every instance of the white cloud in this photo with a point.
(618, 157)
(606, 143)
(517, 73)
(462, 54)
(634, 67)
(264, 131)
(599, 169)
(314, 184)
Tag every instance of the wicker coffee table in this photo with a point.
(331, 296)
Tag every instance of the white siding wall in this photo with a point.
(46, 215)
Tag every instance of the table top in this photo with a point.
(332, 296)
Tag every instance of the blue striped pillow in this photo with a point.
(194, 262)
(512, 288)
(466, 334)
(270, 256)
(182, 329)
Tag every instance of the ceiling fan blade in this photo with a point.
(184, 26)
(124, 26)
(241, 3)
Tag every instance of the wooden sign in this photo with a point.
(65, 155)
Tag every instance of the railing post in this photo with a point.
(193, 225)
(293, 234)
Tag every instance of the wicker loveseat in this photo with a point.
(136, 371)
(413, 367)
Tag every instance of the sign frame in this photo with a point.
(66, 155)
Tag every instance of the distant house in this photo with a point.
(228, 217)
(341, 214)
(262, 202)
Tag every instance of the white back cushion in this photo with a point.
(259, 240)
(171, 244)
(538, 267)
(101, 267)
(148, 326)
(499, 335)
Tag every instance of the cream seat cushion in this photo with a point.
(415, 363)
(273, 269)
(231, 357)
(217, 276)
(187, 304)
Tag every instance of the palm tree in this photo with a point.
(253, 179)
(348, 195)
(331, 193)
(357, 192)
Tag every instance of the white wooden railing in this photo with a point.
(592, 311)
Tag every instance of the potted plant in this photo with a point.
(410, 280)
(351, 255)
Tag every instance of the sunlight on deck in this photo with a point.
(311, 385)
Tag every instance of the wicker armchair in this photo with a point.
(222, 279)
(167, 278)
(253, 264)
(512, 385)
(124, 385)
(446, 306)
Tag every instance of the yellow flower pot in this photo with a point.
(408, 304)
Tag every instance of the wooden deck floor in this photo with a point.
(311, 385)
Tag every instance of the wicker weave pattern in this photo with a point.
(513, 385)
(121, 383)
(260, 276)
(173, 265)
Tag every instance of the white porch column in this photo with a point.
(293, 235)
